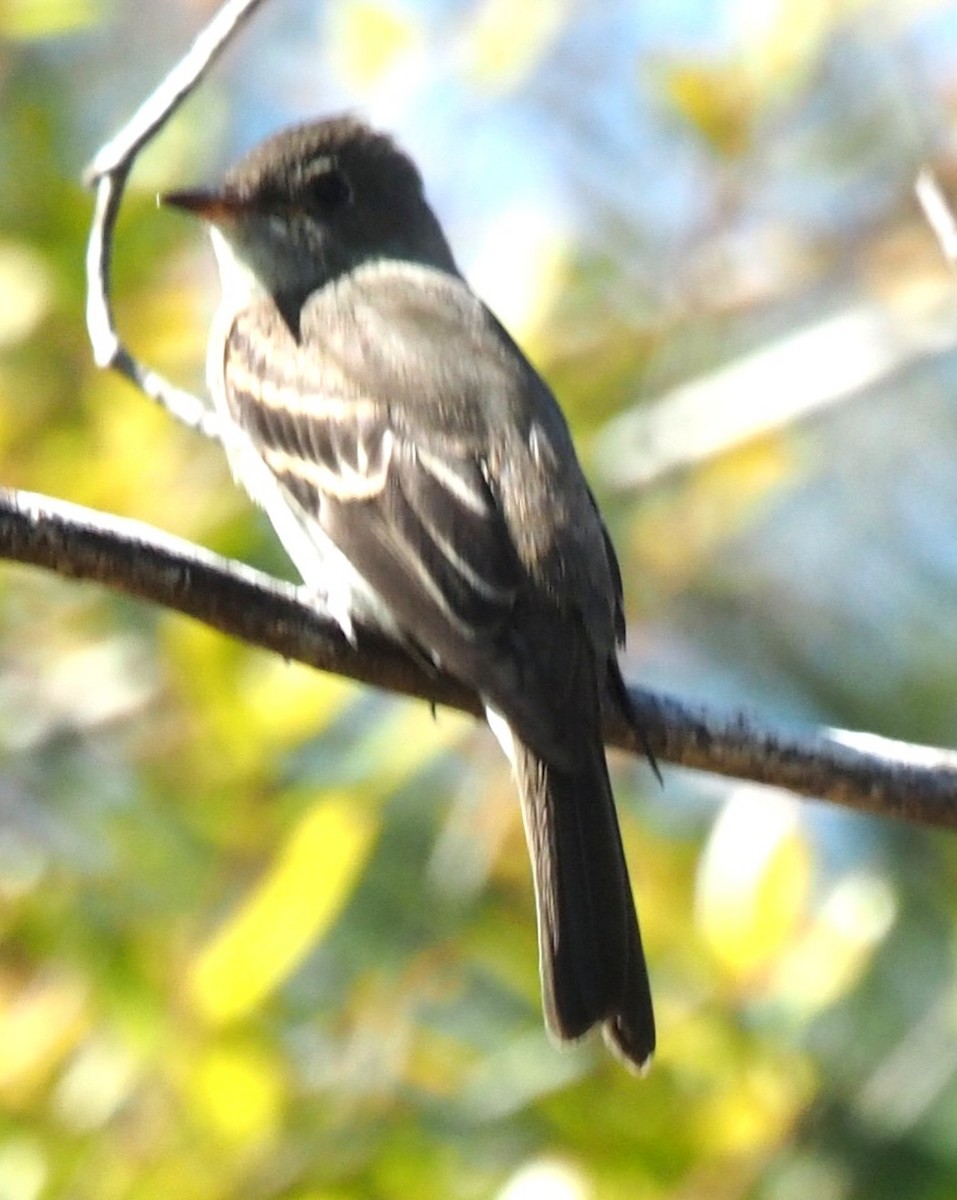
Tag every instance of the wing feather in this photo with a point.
(421, 526)
(403, 425)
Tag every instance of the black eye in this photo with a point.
(329, 192)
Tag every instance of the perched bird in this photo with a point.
(421, 477)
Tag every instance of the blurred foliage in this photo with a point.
(265, 934)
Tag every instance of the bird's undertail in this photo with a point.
(592, 963)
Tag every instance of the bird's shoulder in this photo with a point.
(418, 342)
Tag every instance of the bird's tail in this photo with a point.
(592, 963)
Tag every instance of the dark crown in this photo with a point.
(353, 145)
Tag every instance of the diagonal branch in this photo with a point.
(856, 770)
(108, 173)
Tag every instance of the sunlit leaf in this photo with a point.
(26, 292)
(24, 1168)
(507, 40)
(236, 1091)
(45, 18)
(725, 98)
(39, 1023)
(286, 913)
(782, 39)
(838, 944)
(754, 1109)
(753, 882)
(547, 1177)
(372, 38)
(715, 100)
(677, 532)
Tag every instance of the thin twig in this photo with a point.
(108, 173)
(859, 771)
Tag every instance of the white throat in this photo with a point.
(240, 284)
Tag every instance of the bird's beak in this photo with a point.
(212, 206)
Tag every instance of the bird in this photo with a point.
(423, 480)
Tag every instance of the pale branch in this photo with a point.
(856, 770)
(108, 173)
(939, 214)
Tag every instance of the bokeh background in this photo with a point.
(264, 933)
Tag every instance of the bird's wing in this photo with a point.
(385, 423)
(406, 425)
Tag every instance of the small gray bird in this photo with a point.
(421, 477)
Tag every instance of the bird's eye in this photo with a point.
(329, 192)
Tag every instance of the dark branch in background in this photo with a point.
(859, 771)
(891, 778)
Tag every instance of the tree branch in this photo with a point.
(856, 770)
(108, 173)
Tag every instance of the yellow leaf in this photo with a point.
(26, 292)
(289, 910)
(754, 1109)
(838, 944)
(776, 46)
(371, 38)
(507, 40)
(754, 882)
(39, 1025)
(45, 18)
(676, 532)
(237, 1093)
(783, 39)
(717, 100)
